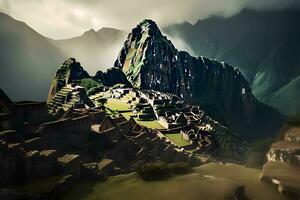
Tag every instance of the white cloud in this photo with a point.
(67, 18)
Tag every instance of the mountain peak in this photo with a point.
(90, 32)
(147, 22)
(150, 61)
(147, 25)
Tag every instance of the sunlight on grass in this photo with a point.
(116, 104)
(153, 124)
(176, 138)
(150, 124)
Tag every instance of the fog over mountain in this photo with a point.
(59, 19)
(96, 50)
(29, 60)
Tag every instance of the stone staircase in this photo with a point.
(66, 98)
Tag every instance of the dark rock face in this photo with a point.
(150, 61)
(5, 101)
(111, 77)
(70, 71)
(267, 55)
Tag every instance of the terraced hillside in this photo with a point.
(70, 71)
(69, 97)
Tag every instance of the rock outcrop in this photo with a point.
(283, 166)
(150, 61)
(111, 77)
(69, 72)
(5, 101)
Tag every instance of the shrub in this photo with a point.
(118, 85)
(153, 171)
(89, 83)
(161, 170)
(95, 90)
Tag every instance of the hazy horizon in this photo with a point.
(62, 19)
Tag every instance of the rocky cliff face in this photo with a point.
(267, 55)
(150, 61)
(111, 77)
(70, 71)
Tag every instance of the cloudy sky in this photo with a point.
(67, 18)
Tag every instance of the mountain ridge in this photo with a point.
(150, 61)
(264, 45)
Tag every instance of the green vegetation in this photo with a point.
(109, 111)
(119, 85)
(95, 90)
(150, 124)
(91, 86)
(115, 104)
(161, 170)
(153, 124)
(176, 138)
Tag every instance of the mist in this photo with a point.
(60, 19)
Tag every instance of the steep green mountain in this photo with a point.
(28, 60)
(265, 46)
(287, 96)
(94, 49)
(150, 61)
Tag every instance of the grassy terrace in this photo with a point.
(176, 138)
(210, 181)
(116, 104)
(149, 124)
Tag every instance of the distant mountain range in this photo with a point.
(265, 46)
(96, 50)
(29, 60)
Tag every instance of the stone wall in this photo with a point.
(32, 112)
(40, 164)
(7, 121)
(79, 125)
(70, 164)
(11, 159)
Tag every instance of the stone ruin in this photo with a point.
(283, 165)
